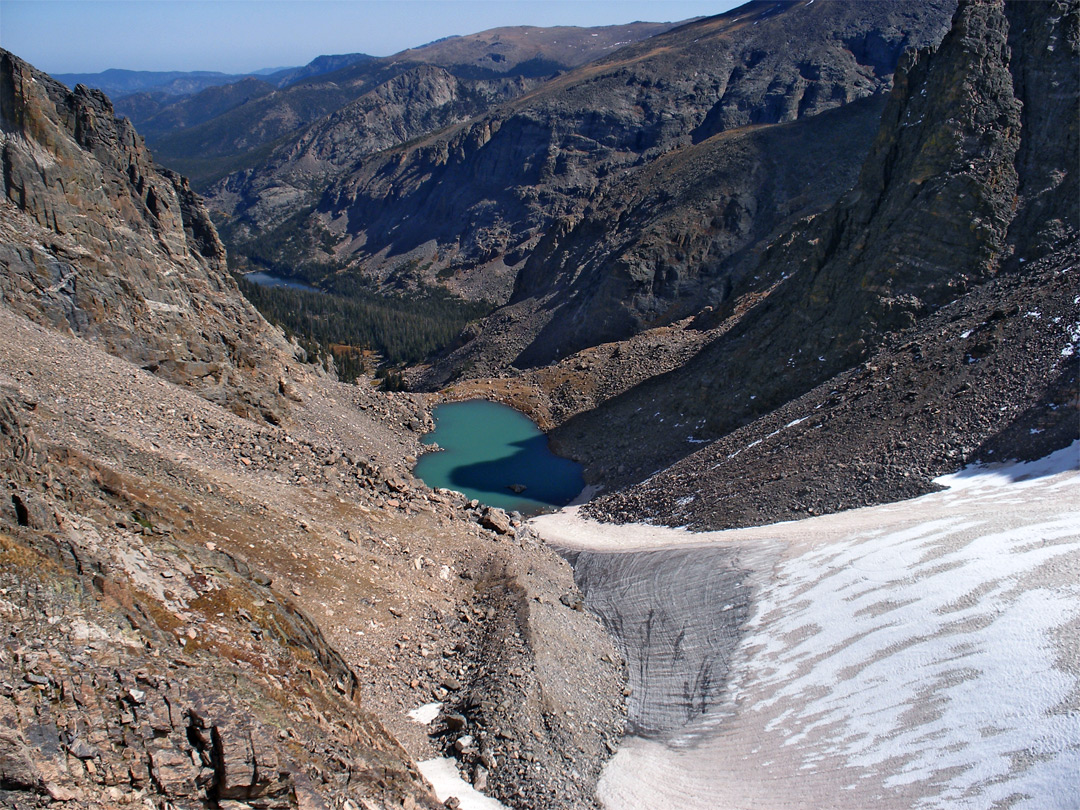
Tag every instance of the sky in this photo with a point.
(238, 36)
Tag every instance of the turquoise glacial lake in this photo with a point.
(488, 450)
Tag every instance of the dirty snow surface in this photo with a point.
(923, 654)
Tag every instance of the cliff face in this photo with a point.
(936, 213)
(98, 240)
(1045, 39)
(291, 179)
(927, 217)
(676, 238)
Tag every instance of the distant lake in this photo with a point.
(267, 280)
(488, 448)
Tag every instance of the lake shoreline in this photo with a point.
(496, 455)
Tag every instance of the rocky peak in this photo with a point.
(933, 203)
(73, 128)
(98, 240)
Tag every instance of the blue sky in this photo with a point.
(235, 36)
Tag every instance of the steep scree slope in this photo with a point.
(111, 695)
(992, 376)
(149, 536)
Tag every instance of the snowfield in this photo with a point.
(923, 654)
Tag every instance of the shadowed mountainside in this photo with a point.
(934, 216)
(504, 206)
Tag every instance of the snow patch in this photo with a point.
(426, 714)
(444, 777)
(927, 654)
(1003, 474)
(912, 655)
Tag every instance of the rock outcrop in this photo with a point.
(99, 241)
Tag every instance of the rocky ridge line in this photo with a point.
(99, 241)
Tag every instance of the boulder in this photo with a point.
(496, 520)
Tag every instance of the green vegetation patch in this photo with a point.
(402, 329)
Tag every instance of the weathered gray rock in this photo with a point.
(99, 241)
(17, 768)
(1044, 39)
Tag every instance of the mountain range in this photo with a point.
(232, 127)
(491, 188)
(790, 260)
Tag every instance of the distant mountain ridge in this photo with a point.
(156, 114)
(538, 202)
(159, 102)
(239, 139)
(118, 83)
